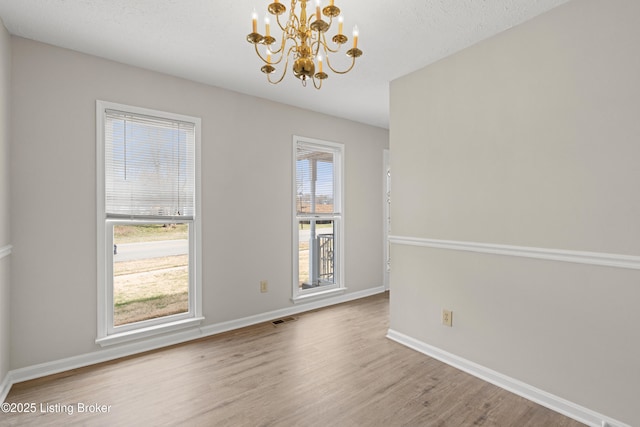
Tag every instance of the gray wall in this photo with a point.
(246, 194)
(531, 139)
(5, 234)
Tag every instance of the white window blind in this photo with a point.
(149, 167)
(314, 181)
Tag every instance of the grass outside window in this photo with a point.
(149, 287)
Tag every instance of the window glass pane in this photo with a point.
(150, 271)
(316, 253)
(149, 166)
(314, 181)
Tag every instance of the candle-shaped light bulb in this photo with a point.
(318, 16)
(254, 21)
(266, 26)
(319, 63)
(356, 33)
(340, 23)
(268, 51)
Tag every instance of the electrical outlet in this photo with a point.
(264, 286)
(447, 317)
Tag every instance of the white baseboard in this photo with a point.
(118, 351)
(289, 311)
(555, 403)
(5, 386)
(6, 383)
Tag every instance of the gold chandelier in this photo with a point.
(306, 41)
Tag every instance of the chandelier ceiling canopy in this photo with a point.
(304, 39)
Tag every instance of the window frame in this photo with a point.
(107, 333)
(338, 287)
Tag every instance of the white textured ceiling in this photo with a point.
(204, 40)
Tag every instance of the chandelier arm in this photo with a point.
(289, 52)
(295, 46)
(317, 86)
(322, 45)
(280, 58)
(332, 50)
(275, 52)
(259, 55)
(284, 72)
(272, 62)
(293, 20)
(282, 45)
(353, 62)
(280, 24)
(326, 45)
(315, 46)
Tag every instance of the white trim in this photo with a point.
(289, 311)
(129, 349)
(102, 296)
(54, 367)
(5, 386)
(5, 251)
(318, 294)
(386, 208)
(106, 333)
(6, 383)
(548, 400)
(140, 333)
(337, 216)
(580, 257)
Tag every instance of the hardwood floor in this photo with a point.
(330, 367)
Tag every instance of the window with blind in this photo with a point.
(149, 166)
(318, 218)
(148, 222)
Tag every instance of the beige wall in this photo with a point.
(5, 235)
(246, 194)
(527, 139)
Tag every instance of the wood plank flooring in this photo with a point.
(330, 367)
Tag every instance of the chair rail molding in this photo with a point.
(580, 257)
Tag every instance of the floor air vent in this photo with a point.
(283, 320)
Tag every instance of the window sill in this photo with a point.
(318, 295)
(148, 332)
